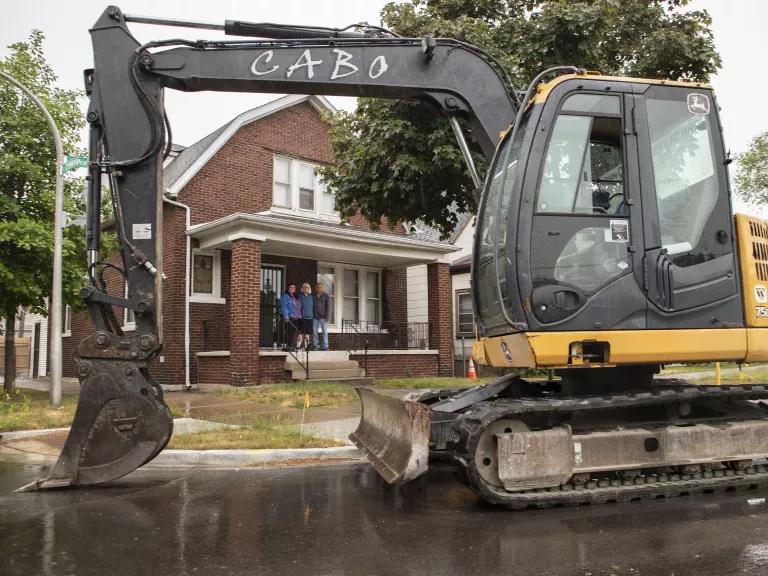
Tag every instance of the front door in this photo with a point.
(692, 280)
(272, 281)
(587, 218)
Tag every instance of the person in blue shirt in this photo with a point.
(307, 315)
(290, 316)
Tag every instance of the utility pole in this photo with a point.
(55, 312)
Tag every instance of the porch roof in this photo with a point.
(298, 237)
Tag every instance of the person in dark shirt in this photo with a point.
(307, 300)
(321, 313)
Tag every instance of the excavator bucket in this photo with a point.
(121, 423)
(394, 434)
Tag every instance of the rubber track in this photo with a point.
(471, 425)
(647, 491)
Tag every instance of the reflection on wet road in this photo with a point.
(341, 520)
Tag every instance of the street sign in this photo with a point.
(74, 162)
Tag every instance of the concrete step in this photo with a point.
(321, 374)
(324, 356)
(322, 365)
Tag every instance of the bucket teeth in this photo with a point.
(394, 434)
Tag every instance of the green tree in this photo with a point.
(752, 173)
(27, 184)
(399, 159)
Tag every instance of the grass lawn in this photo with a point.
(705, 367)
(752, 377)
(259, 434)
(291, 394)
(430, 382)
(31, 410)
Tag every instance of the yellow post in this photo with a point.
(717, 373)
(741, 372)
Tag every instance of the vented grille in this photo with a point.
(759, 231)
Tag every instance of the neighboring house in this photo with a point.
(259, 219)
(419, 290)
(31, 344)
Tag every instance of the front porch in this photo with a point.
(214, 367)
(238, 336)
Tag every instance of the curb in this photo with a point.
(245, 458)
(17, 434)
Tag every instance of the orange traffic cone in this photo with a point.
(471, 374)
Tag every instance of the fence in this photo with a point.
(23, 349)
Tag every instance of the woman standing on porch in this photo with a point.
(307, 315)
(290, 316)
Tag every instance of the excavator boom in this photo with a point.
(122, 421)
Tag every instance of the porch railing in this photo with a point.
(354, 336)
(385, 335)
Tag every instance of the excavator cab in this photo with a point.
(608, 209)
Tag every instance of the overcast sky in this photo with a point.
(738, 25)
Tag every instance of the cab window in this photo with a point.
(685, 177)
(583, 167)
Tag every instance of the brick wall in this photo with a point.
(272, 369)
(395, 289)
(440, 315)
(212, 369)
(245, 296)
(397, 366)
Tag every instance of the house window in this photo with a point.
(129, 318)
(359, 288)
(351, 291)
(326, 275)
(67, 331)
(297, 188)
(306, 186)
(372, 297)
(465, 324)
(281, 195)
(206, 277)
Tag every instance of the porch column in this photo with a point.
(244, 312)
(440, 315)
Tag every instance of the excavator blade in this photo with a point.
(121, 423)
(394, 434)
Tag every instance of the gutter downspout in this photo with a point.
(168, 200)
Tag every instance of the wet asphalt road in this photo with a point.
(341, 520)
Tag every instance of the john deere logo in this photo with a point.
(505, 349)
(698, 104)
(761, 294)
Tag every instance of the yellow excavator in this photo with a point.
(605, 247)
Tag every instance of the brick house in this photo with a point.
(245, 215)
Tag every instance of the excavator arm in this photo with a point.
(122, 421)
